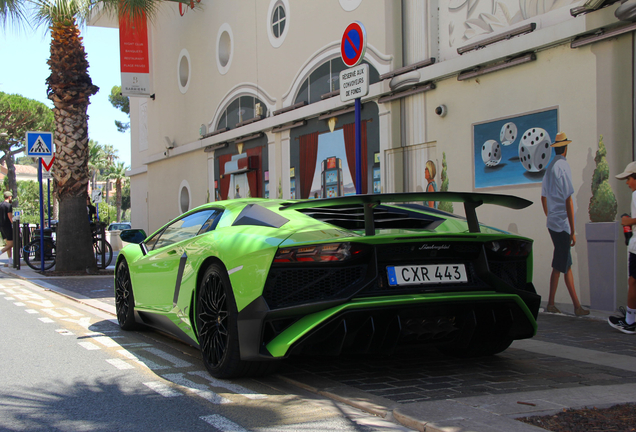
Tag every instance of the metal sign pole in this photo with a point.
(48, 188)
(358, 149)
(41, 217)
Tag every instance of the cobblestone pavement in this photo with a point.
(426, 375)
(584, 333)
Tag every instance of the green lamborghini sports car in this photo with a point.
(251, 281)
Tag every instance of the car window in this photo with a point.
(181, 229)
(152, 241)
(118, 226)
(212, 221)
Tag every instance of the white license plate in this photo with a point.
(426, 274)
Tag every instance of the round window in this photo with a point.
(278, 21)
(183, 70)
(349, 5)
(184, 197)
(278, 25)
(224, 48)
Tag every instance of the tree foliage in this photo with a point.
(122, 103)
(118, 173)
(29, 192)
(18, 115)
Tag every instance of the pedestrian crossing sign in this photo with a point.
(39, 144)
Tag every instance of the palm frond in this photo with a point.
(12, 12)
(65, 12)
(131, 10)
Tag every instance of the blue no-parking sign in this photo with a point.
(39, 144)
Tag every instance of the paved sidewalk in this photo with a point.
(94, 290)
(571, 363)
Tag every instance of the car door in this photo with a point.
(155, 274)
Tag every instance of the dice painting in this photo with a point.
(534, 149)
(508, 134)
(491, 153)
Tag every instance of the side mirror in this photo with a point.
(133, 236)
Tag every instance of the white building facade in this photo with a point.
(246, 102)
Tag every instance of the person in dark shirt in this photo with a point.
(6, 224)
(90, 208)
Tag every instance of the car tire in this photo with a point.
(124, 298)
(217, 325)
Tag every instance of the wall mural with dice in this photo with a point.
(514, 150)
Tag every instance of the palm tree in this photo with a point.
(69, 88)
(118, 173)
(95, 161)
(110, 155)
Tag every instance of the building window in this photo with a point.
(349, 5)
(183, 71)
(224, 48)
(278, 21)
(326, 79)
(239, 110)
(184, 196)
(278, 25)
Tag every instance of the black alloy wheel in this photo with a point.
(124, 299)
(215, 322)
(217, 325)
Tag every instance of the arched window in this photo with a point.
(240, 110)
(325, 79)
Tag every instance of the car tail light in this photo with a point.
(509, 248)
(322, 253)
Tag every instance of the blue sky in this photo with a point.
(23, 70)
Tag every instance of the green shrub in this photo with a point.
(603, 204)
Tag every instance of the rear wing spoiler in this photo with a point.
(470, 200)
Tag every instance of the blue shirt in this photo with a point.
(556, 188)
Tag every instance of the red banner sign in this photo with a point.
(134, 56)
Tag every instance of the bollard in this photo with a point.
(102, 240)
(16, 244)
(26, 233)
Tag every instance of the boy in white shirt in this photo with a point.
(627, 323)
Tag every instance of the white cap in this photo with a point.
(629, 170)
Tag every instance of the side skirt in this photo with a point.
(165, 324)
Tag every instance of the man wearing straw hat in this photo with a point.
(558, 206)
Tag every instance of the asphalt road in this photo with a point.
(68, 367)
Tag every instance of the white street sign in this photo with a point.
(16, 214)
(46, 174)
(47, 162)
(96, 196)
(354, 82)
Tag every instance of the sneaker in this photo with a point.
(620, 324)
(622, 312)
